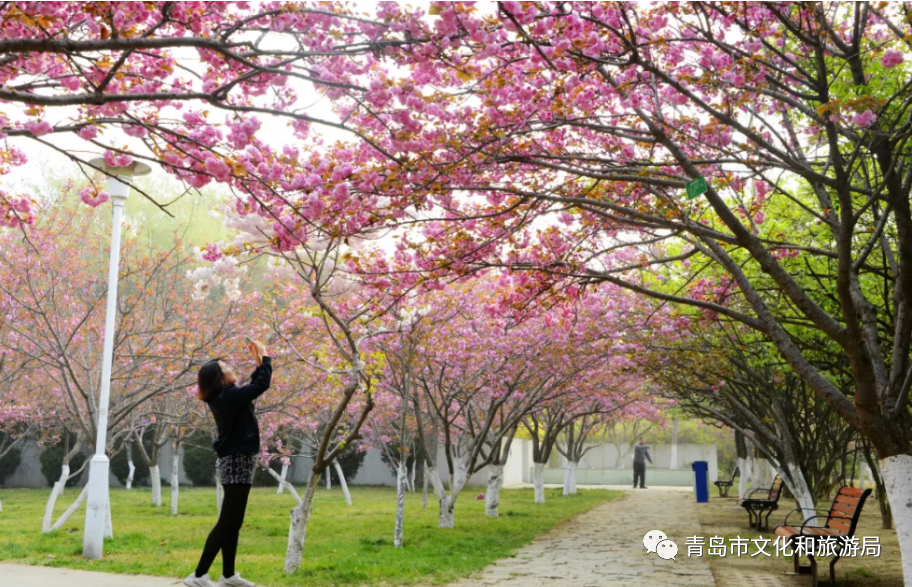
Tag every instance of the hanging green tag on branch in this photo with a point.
(696, 187)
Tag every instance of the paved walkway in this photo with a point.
(605, 547)
(12, 575)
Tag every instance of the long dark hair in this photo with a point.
(210, 380)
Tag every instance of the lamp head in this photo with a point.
(120, 177)
(134, 169)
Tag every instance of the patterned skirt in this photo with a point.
(236, 469)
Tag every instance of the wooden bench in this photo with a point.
(841, 520)
(724, 486)
(756, 507)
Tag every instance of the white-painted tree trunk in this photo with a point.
(492, 496)
(56, 492)
(411, 477)
(743, 477)
(673, 461)
(71, 510)
(747, 471)
(329, 484)
(863, 475)
(219, 495)
(297, 531)
(401, 486)
(156, 485)
(897, 476)
(798, 487)
(570, 478)
(342, 482)
(446, 517)
(538, 481)
(762, 473)
(282, 475)
(1, 505)
(175, 480)
(424, 496)
(130, 465)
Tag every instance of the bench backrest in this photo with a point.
(846, 509)
(776, 489)
(734, 474)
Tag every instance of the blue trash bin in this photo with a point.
(701, 481)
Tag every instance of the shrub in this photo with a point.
(199, 461)
(52, 459)
(9, 462)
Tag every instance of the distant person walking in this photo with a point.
(237, 443)
(640, 456)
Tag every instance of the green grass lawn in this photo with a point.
(345, 545)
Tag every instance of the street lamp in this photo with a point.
(97, 507)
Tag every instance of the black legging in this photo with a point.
(224, 536)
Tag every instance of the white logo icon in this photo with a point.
(652, 538)
(667, 549)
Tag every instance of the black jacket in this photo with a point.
(238, 431)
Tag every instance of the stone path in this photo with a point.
(605, 547)
(12, 575)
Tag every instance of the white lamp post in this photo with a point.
(97, 502)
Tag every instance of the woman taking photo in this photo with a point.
(237, 444)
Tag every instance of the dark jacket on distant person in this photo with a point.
(238, 430)
(641, 452)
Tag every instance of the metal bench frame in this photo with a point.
(830, 515)
(725, 486)
(756, 507)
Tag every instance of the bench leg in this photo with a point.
(813, 569)
(833, 570)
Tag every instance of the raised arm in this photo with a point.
(648, 458)
(259, 383)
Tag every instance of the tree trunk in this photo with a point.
(56, 492)
(342, 482)
(156, 485)
(424, 496)
(570, 478)
(492, 497)
(411, 478)
(673, 462)
(297, 531)
(447, 517)
(282, 475)
(761, 473)
(132, 467)
(743, 477)
(72, 509)
(797, 484)
(329, 484)
(862, 475)
(897, 476)
(538, 481)
(401, 483)
(175, 480)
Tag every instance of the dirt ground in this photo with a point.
(722, 517)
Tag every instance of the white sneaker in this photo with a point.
(194, 581)
(234, 580)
